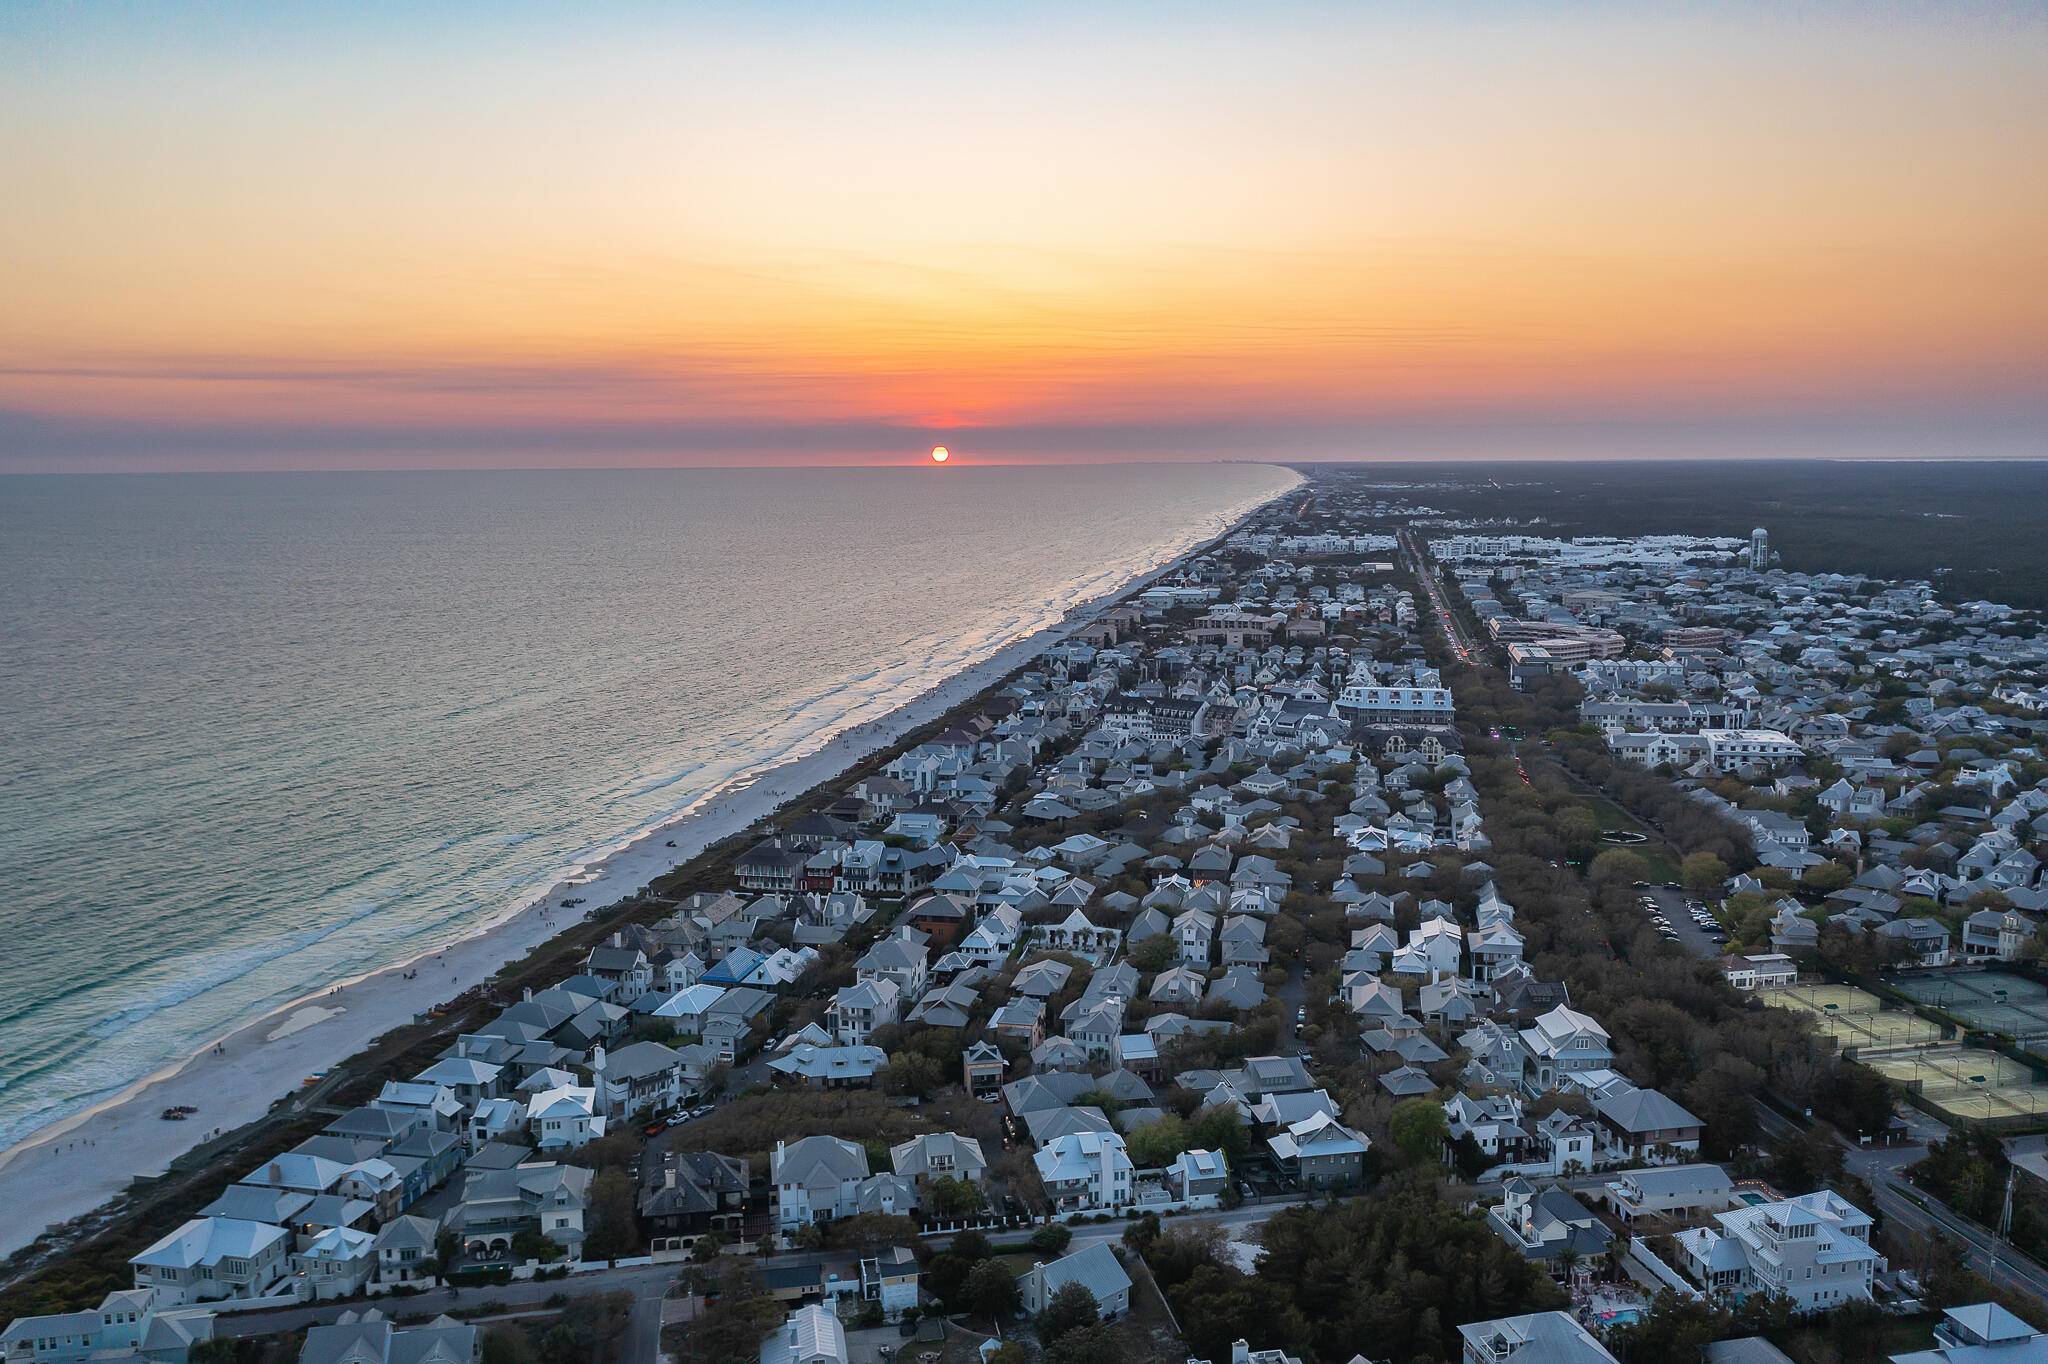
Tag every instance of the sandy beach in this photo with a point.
(74, 1166)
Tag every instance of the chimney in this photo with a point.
(1240, 1352)
(526, 995)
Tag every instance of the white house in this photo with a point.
(1814, 1249)
(563, 1116)
(1085, 1172)
(1538, 1337)
(858, 1009)
(1730, 749)
(1760, 971)
(810, 1335)
(337, 1262)
(211, 1258)
(815, 1179)
(1983, 1333)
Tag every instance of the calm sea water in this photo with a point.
(264, 732)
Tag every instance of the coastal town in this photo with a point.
(1393, 933)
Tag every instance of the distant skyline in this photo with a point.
(440, 235)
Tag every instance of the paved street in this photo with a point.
(649, 1286)
(1882, 1167)
(1453, 629)
(647, 1283)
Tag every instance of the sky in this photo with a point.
(241, 235)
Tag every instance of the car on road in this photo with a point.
(1301, 1016)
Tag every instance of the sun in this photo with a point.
(940, 454)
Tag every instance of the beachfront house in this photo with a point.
(212, 1258)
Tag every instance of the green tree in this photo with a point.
(911, 1073)
(954, 1198)
(992, 1290)
(1420, 1130)
(1825, 877)
(1617, 865)
(1219, 1128)
(1071, 1308)
(1154, 954)
(1051, 1239)
(1157, 1142)
(1579, 831)
(1703, 872)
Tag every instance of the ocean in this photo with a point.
(265, 732)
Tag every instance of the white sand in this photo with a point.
(301, 1020)
(72, 1167)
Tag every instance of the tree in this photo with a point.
(1096, 1344)
(954, 1198)
(1578, 830)
(1703, 872)
(1157, 1142)
(1618, 865)
(1219, 1128)
(1071, 1308)
(871, 1231)
(1154, 954)
(614, 1217)
(992, 1290)
(528, 1244)
(1419, 1128)
(1825, 877)
(911, 1073)
(1051, 1239)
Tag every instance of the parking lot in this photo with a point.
(1671, 903)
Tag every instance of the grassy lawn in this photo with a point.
(1613, 819)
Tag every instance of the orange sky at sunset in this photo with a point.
(541, 234)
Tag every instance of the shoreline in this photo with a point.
(79, 1163)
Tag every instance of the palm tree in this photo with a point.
(1567, 1267)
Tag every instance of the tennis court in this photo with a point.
(1989, 1001)
(1855, 1018)
(1968, 1082)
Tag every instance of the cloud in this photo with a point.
(2015, 429)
